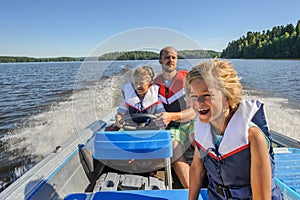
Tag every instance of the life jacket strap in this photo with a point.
(221, 189)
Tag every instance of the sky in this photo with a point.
(75, 28)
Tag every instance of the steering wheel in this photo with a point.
(130, 121)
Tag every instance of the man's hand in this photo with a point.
(163, 119)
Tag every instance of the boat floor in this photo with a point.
(137, 195)
(287, 171)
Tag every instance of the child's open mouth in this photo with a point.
(203, 111)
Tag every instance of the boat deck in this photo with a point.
(138, 195)
(287, 171)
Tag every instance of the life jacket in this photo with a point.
(172, 97)
(133, 104)
(228, 165)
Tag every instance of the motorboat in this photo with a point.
(128, 164)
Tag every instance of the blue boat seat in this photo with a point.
(138, 195)
(137, 145)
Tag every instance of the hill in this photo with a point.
(10, 59)
(280, 42)
(146, 55)
(126, 55)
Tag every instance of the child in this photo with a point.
(233, 146)
(139, 97)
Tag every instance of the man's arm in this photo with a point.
(182, 116)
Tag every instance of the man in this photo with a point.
(172, 94)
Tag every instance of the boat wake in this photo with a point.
(282, 118)
(23, 147)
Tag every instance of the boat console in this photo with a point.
(134, 152)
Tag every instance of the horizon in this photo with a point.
(73, 28)
(105, 53)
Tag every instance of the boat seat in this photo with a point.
(135, 145)
(138, 195)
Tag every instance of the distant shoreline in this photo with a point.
(21, 59)
(126, 55)
(84, 59)
(130, 55)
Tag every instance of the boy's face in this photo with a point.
(208, 102)
(141, 85)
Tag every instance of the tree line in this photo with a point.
(195, 54)
(280, 42)
(10, 59)
(126, 55)
(129, 55)
(146, 55)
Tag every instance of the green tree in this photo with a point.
(280, 42)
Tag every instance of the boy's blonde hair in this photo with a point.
(224, 77)
(145, 71)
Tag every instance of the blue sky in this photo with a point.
(75, 27)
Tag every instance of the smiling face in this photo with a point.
(208, 102)
(216, 92)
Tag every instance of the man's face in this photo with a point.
(168, 60)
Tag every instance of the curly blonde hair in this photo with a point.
(145, 71)
(224, 77)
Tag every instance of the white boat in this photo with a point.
(96, 165)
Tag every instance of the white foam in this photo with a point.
(42, 133)
(281, 118)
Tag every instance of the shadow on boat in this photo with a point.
(39, 190)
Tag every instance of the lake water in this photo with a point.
(44, 104)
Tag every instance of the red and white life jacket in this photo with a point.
(133, 104)
(172, 97)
